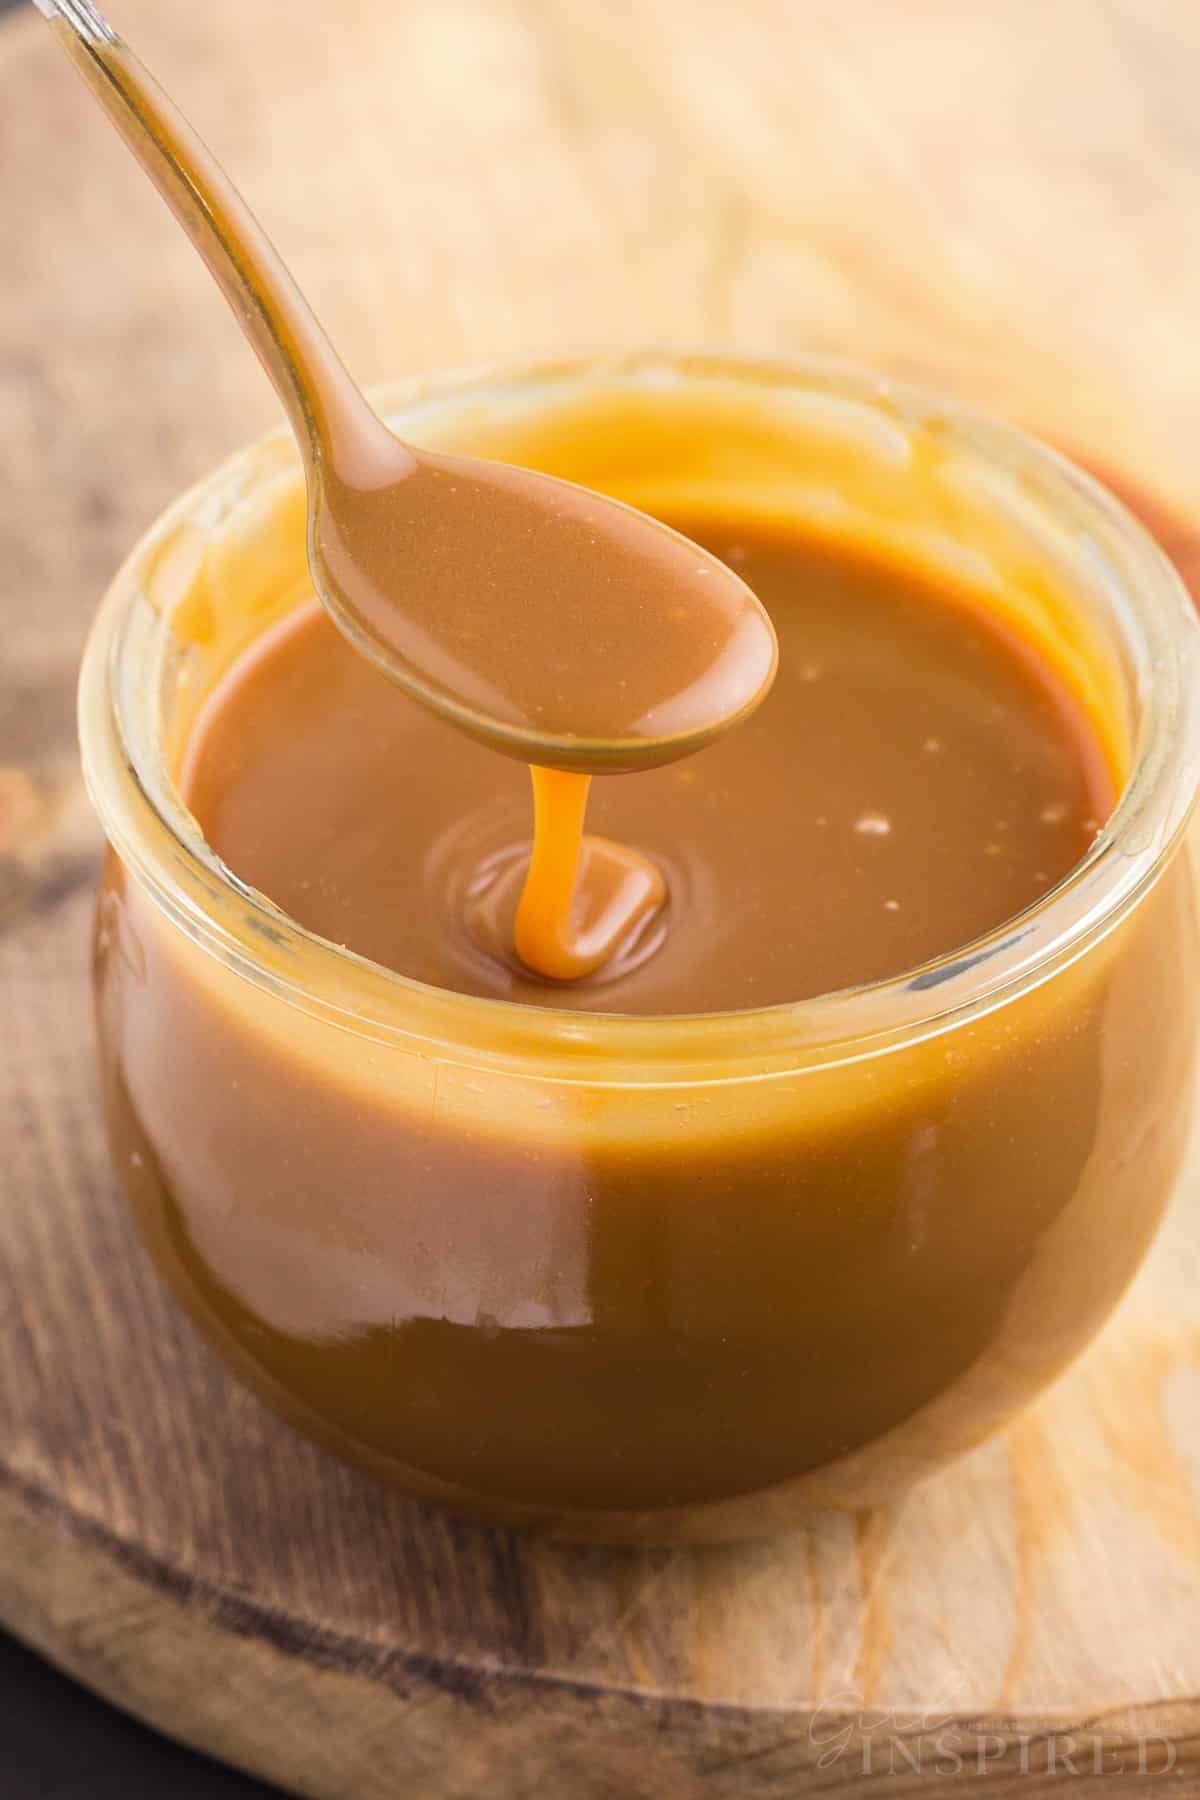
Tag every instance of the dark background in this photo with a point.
(59, 1743)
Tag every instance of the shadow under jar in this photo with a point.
(656, 1278)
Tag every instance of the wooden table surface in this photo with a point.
(999, 195)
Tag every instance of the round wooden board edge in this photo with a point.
(341, 1720)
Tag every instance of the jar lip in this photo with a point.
(159, 841)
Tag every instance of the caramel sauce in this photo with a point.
(570, 1270)
(916, 777)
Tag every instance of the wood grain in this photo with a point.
(1001, 196)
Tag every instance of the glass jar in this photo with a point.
(655, 1278)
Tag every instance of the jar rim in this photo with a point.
(157, 839)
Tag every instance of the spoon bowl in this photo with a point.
(550, 622)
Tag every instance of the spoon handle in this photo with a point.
(325, 409)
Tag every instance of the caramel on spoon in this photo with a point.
(553, 623)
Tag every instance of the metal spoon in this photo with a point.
(554, 623)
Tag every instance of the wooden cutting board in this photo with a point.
(1003, 196)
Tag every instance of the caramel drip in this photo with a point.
(582, 897)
